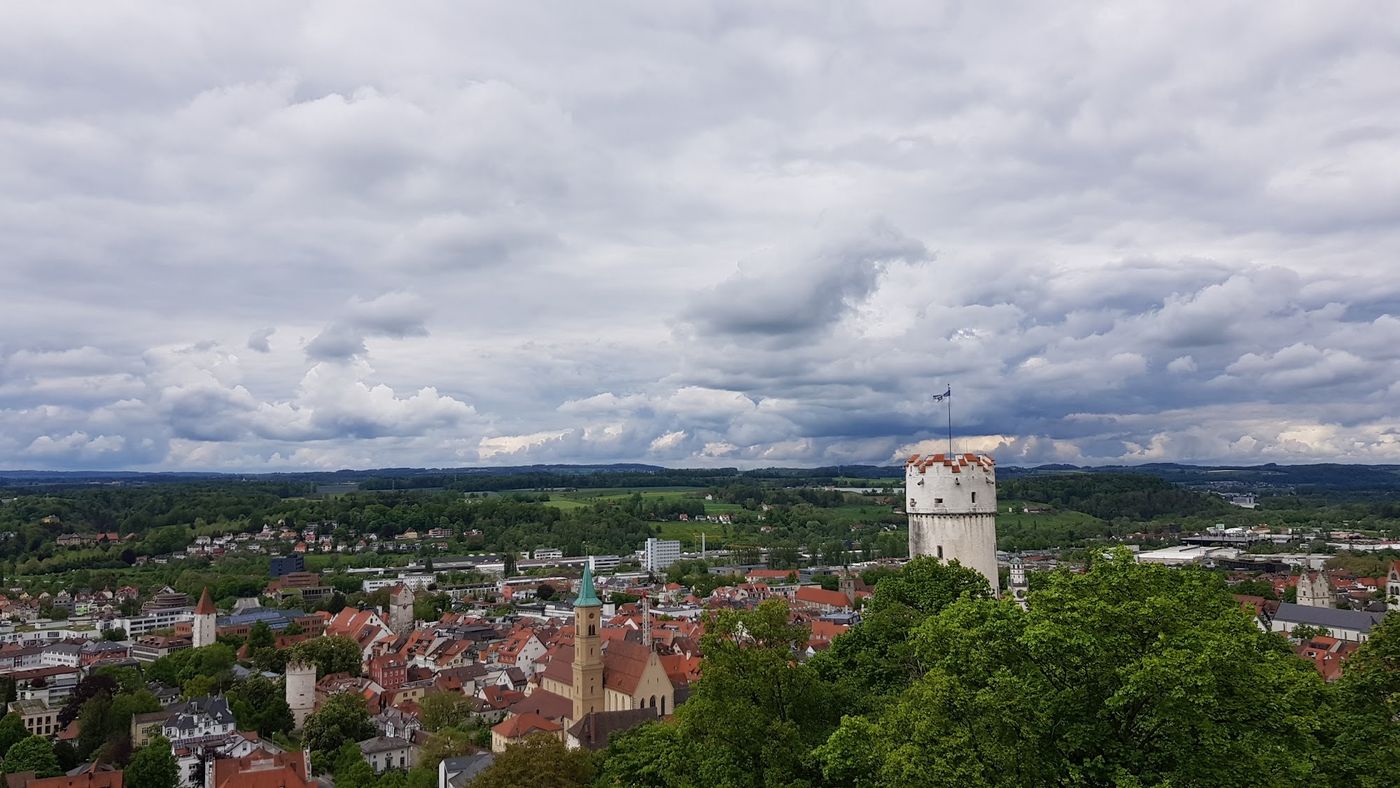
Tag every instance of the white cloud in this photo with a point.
(463, 235)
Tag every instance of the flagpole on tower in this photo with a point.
(947, 399)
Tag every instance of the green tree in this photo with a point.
(214, 661)
(114, 634)
(87, 689)
(12, 730)
(1308, 632)
(125, 706)
(446, 743)
(876, 659)
(654, 754)
(342, 719)
(1128, 674)
(260, 636)
(1365, 749)
(350, 768)
(32, 754)
(329, 654)
(540, 762)
(153, 766)
(94, 723)
(755, 714)
(260, 704)
(440, 709)
(1252, 587)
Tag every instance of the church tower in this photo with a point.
(1019, 588)
(951, 500)
(204, 632)
(1314, 591)
(588, 649)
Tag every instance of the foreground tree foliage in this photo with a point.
(1125, 675)
(1128, 674)
(877, 660)
(1366, 750)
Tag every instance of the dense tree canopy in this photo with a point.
(153, 766)
(329, 654)
(32, 754)
(1127, 674)
(342, 719)
(539, 761)
(260, 704)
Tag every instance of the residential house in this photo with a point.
(389, 752)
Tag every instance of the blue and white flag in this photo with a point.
(944, 395)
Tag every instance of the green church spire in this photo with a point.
(587, 597)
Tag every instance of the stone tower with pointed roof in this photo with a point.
(588, 648)
(204, 630)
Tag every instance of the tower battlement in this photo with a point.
(950, 484)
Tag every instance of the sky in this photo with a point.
(273, 236)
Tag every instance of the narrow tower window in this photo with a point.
(940, 552)
(974, 496)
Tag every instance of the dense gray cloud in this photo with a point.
(720, 235)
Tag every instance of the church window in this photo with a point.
(663, 705)
(974, 496)
(592, 630)
(937, 501)
(940, 552)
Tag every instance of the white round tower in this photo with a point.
(951, 500)
(301, 690)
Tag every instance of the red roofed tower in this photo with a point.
(205, 626)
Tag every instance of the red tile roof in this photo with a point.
(820, 596)
(206, 605)
(525, 724)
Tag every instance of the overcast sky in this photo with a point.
(322, 235)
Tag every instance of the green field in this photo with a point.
(574, 499)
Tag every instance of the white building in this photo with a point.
(951, 501)
(417, 582)
(147, 623)
(389, 752)
(659, 554)
(603, 563)
(66, 655)
(547, 554)
(1350, 625)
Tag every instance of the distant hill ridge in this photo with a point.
(1267, 477)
